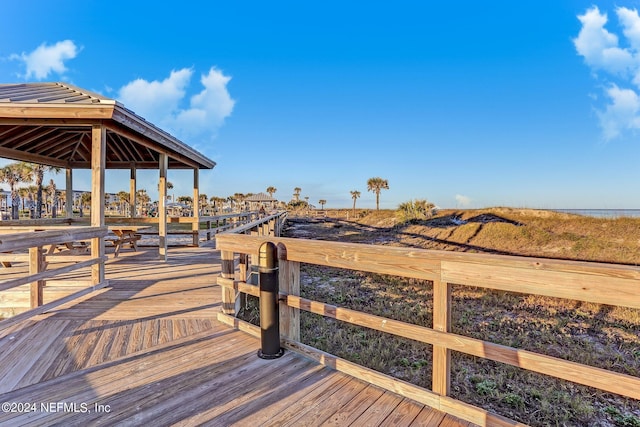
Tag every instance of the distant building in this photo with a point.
(254, 202)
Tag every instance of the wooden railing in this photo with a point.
(582, 281)
(37, 249)
(265, 225)
(201, 227)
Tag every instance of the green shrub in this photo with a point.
(415, 210)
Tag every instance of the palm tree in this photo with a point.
(37, 171)
(13, 174)
(62, 199)
(187, 200)
(215, 200)
(23, 192)
(51, 190)
(144, 199)
(32, 191)
(169, 185)
(296, 193)
(123, 198)
(271, 190)
(238, 198)
(355, 194)
(322, 202)
(85, 199)
(376, 185)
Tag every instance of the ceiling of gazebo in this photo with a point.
(50, 123)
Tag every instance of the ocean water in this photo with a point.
(603, 213)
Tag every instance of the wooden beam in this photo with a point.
(132, 190)
(98, 155)
(24, 156)
(68, 207)
(36, 266)
(50, 112)
(289, 279)
(441, 377)
(228, 272)
(38, 121)
(195, 226)
(162, 208)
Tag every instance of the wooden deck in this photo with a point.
(148, 349)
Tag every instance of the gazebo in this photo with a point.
(60, 125)
(261, 199)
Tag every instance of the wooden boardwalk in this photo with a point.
(148, 349)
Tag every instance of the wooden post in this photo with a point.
(68, 203)
(289, 277)
(195, 226)
(162, 207)
(242, 275)
(36, 265)
(228, 272)
(98, 164)
(132, 191)
(441, 380)
(209, 230)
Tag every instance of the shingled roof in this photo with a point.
(50, 123)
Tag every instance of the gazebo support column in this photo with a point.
(132, 192)
(162, 207)
(195, 225)
(68, 203)
(98, 164)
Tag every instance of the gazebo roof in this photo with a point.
(50, 123)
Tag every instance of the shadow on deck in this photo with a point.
(148, 348)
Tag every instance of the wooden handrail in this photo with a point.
(583, 281)
(34, 239)
(18, 241)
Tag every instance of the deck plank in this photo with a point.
(429, 417)
(355, 407)
(326, 406)
(379, 411)
(404, 414)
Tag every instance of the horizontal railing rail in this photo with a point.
(583, 281)
(269, 225)
(37, 247)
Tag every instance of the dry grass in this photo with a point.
(592, 334)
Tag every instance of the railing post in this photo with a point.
(228, 294)
(242, 276)
(269, 321)
(209, 230)
(289, 277)
(441, 380)
(36, 265)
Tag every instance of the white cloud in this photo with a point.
(46, 59)
(163, 103)
(463, 201)
(602, 52)
(598, 46)
(631, 26)
(156, 101)
(621, 113)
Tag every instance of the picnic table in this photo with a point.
(125, 234)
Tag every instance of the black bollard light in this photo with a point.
(269, 316)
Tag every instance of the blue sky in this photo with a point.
(467, 104)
